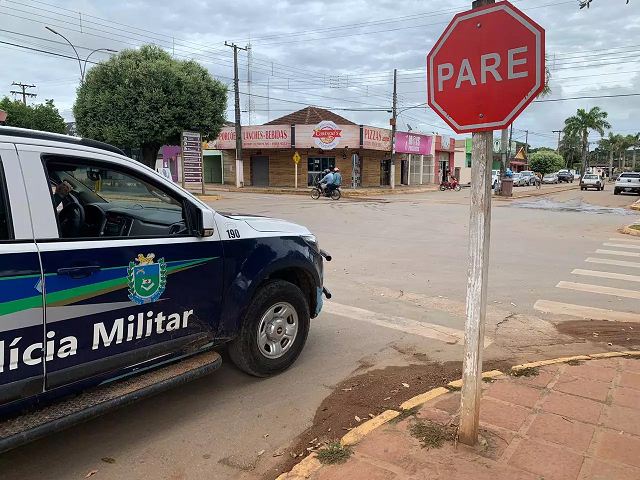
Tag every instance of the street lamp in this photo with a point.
(82, 70)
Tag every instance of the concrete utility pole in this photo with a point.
(392, 180)
(23, 91)
(478, 273)
(239, 164)
(526, 145)
(558, 132)
(508, 163)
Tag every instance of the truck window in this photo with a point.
(99, 200)
(5, 217)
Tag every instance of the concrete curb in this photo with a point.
(311, 464)
(635, 205)
(593, 356)
(346, 192)
(629, 231)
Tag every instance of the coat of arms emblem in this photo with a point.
(146, 279)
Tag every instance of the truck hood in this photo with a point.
(266, 224)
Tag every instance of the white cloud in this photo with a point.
(316, 63)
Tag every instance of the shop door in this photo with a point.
(457, 174)
(385, 172)
(356, 171)
(404, 172)
(260, 171)
(212, 169)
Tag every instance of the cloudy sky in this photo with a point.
(337, 54)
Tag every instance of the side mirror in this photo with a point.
(199, 221)
(208, 222)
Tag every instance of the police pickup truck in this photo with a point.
(116, 284)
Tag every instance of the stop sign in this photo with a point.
(487, 66)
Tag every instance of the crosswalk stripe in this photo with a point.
(615, 276)
(407, 325)
(616, 252)
(585, 287)
(592, 313)
(619, 263)
(630, 240)
(621, 245)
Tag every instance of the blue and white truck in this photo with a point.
(116, 284)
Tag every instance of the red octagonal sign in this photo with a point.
(487, 66)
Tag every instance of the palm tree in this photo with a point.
(608, 145)
(634, 141)
(570, 149)
(581, 123)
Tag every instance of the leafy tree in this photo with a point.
(144, 98)
(546, 162)
(42, 116)
(581, 123)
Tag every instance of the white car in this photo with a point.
(592, 180)
(495, 179)
(627, 182)
(518, 181)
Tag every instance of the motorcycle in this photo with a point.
(317, 191)
(452, 185)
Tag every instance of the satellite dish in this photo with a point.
(409, 127)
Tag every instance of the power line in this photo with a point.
(587, 97)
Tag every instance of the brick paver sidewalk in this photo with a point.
(567, 422)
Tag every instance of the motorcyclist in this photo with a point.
(327, 181)
(337, 181)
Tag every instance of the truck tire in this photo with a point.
(274, 330)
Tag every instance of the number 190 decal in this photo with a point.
(233, 233)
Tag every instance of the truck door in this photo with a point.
(126, 280)
(21, 299)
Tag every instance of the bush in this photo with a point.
(546, 162)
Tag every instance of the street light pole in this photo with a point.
(74, 48)
(84, 69)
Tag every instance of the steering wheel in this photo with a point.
(71, 220)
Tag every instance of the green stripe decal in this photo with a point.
(72, 295)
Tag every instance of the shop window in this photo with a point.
(316, 167)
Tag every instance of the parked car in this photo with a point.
(565, 176)
(131, 278)
(627, 182)
(550, 178)
(592, 180)
(518, 181)
(529, 177)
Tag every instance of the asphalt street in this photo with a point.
(398, 280)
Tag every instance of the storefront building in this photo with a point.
(323, 140)
(362, 153)
(445, 159)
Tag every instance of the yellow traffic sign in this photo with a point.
(296, 157)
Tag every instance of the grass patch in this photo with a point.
(525, 372)
(411, 412)
(431, 434)
(574, 362)
(333, 453)
(634, 227)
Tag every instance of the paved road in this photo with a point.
(398, 279)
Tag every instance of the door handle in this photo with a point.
(79, 272)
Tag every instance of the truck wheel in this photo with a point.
(274, 330)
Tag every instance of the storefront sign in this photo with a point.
(192, 157)
(263, 136)
(376, 138)
(327, 135)
(413, 143)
